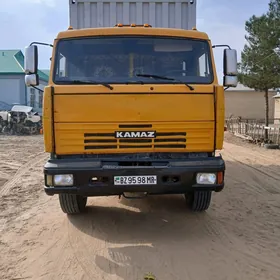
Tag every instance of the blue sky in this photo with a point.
(24, 21)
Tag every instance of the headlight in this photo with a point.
(63, 180)
(206, 178)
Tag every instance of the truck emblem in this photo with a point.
(135, 134)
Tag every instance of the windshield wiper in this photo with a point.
(164, 78)
(88, 82)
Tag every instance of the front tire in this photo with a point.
(72, 203)
(199, 201)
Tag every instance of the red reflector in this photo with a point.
(220, 178)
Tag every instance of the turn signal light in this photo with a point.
(220, 178)
(133, 25)
(146, 25)
(119, 25)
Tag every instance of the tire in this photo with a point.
(199, 201)
(72, 203)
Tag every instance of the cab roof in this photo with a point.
(148, 31)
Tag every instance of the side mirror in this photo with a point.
(230, 68)
(230, 81)
(31, 60)
(230, 62)
(32, 80)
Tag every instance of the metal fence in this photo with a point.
(254, 130)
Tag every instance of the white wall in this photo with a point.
(277, 110)
(248, 104)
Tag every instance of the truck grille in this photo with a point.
(164, 140)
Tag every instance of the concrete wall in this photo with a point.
(12, 89)
(248, 104)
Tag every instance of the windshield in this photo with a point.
(121, 60)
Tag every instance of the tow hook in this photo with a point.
(135, 195)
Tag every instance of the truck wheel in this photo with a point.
(199, 201)
(72, 203)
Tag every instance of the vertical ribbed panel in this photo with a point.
(106, 14)
(81, 17)
(93, 16)
(171, 15)
(184, 15)
(119, 12)
(132, 13)
(93, 13)
(158, 14)
(145, 13)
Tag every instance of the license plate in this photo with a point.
(135, 180)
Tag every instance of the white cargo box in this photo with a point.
(169, 14)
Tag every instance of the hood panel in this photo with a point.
(125, 108)
(87, 123)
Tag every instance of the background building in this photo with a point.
(247, 103)
(12, 85)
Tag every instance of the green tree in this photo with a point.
(274, 22)
(260, 64)
(274, 15)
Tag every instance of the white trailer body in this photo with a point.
(167, 14)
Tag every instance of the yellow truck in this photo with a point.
(133, 110)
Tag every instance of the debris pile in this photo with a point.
(20, 120)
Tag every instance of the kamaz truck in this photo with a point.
(133, 106)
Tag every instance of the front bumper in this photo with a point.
(173, 177)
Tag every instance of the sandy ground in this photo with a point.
(237, 238)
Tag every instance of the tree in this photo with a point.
(274, 21)
(274, 14)
(260, 65)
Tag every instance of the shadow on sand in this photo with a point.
(154, 234)
(159, 234)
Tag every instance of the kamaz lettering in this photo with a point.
(135, 134)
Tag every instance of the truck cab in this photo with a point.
(134, 111)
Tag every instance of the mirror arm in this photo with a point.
(43, 44)
(221, 46)
(38, 88)
(226, 88)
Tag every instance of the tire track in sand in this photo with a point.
(22, 170)
(234, 247)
